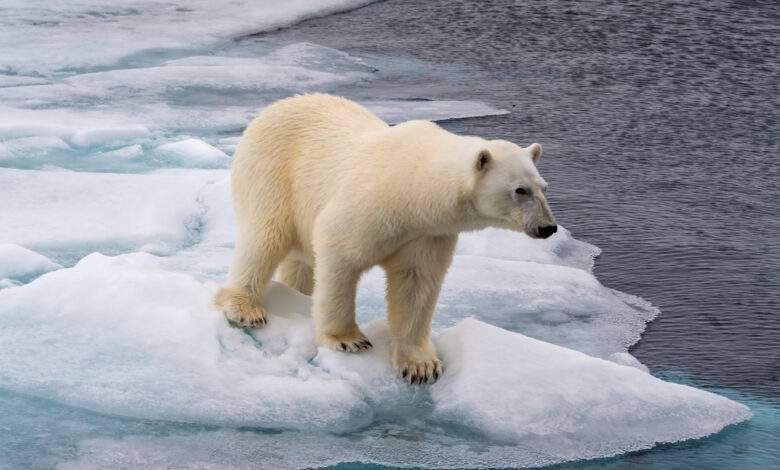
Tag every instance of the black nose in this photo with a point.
(547, 230)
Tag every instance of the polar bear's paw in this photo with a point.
(354, 342)
(240, 309)
(420, 368)
(246, 316)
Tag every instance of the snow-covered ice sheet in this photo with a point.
(67, 211)
(123, 336)
(563, 403)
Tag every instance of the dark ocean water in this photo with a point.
(659, 122)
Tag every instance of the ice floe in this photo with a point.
(192, 152)
(67, 211)
(124, 336)
(52, 37)
(564, 403)
(20, 264)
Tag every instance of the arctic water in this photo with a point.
(659, 130)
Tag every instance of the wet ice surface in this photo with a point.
(116, 229)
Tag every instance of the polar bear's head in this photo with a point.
(509, 192)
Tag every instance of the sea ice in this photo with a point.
(64, 210)
(154, 105)
(563, 403)
(114, 136)
(167, 355)
(395, 111)
(19, 263)
(192, 152)
(55, 36)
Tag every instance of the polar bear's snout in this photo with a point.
(546, 231)
(540, 221)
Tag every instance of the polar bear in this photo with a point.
(323, 190)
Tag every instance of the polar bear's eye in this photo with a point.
(521, 191)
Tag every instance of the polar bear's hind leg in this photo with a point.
(297, 274)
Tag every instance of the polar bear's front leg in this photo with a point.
(414, 278)
(335, 287)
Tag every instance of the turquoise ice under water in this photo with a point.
(116, 361)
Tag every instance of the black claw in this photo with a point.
(343, 346)
(404, 373)
(435, 375)
(369, 344)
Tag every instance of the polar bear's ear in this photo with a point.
(483, 160)
(536, 151)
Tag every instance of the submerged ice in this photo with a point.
(116, 228)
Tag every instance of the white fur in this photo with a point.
(324, 190)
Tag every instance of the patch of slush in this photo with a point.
(166, 355)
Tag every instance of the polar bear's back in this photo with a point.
(295, 154)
